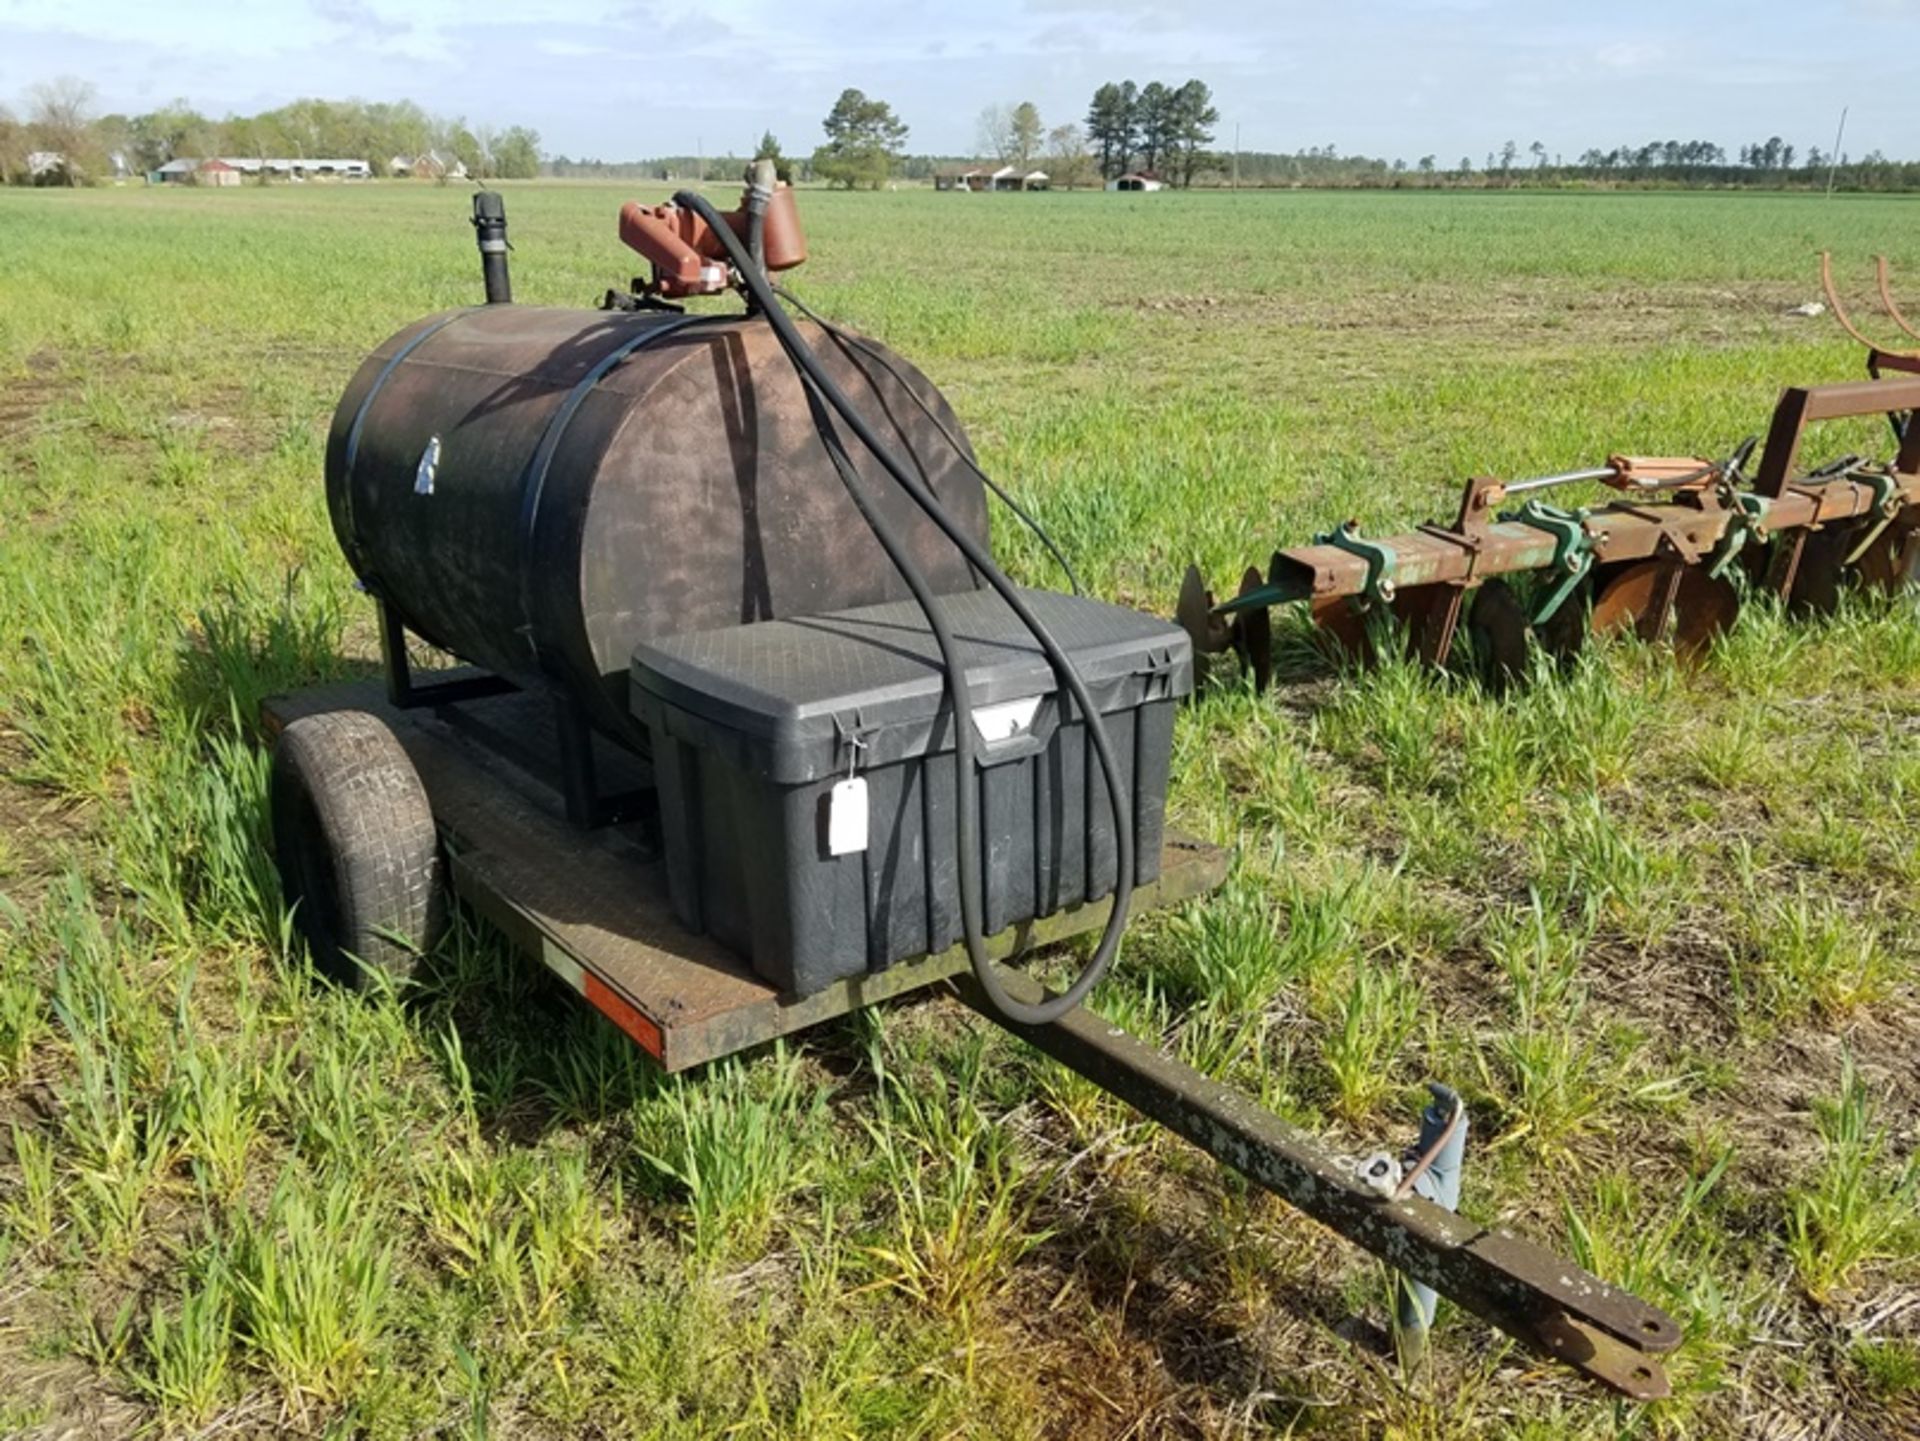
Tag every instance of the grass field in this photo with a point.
(1661, 927)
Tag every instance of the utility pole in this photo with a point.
(1236, 155)
(1833, 162)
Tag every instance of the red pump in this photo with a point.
(689, 259)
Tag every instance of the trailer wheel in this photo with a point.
(355, 844)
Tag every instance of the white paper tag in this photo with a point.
(1008, 719)
(847, 817)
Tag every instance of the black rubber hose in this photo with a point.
(757, 237)
(966, 825)
(848, 341)
(967, 800)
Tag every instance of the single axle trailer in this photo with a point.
(593, 907)
(752, 731)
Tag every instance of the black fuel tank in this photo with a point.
(539, 490)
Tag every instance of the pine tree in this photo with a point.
(1192, 130)
(863, 141)
(769, 149)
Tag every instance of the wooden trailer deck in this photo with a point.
(592, 905)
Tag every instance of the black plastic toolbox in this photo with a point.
(755, 728)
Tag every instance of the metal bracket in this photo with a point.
(1572, 554)
(588, 807)
(850, 738)
(1886, 505)
(1381, 560)
(1746, 520)
(1432, 1171)
(404, 692)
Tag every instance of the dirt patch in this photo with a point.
(1169, 1355)
(66, 1388)
(37, 832)
(1516, 314)
(24, 397)
(219, 418)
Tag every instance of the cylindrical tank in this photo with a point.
(537, 490)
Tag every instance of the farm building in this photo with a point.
(232, 169)
(428, 165)
(326, 169)
(301, 169)
(1137, 180)
(989, 177)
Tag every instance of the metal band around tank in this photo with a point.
(360, 421)
(535, 483)
(386, 373)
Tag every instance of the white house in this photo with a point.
(428, 165)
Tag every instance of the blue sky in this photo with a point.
(1392, 77)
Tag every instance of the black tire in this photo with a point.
(355, 844)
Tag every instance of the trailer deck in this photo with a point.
(602, 921)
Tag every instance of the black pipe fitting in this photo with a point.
(490, 230)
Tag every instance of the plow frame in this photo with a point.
(1702, 516)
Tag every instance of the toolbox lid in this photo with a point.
(789, 699)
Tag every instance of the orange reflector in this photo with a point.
(625, 1017)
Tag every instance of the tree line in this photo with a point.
(77, 145)
(1160, 128)
(1168, 131)
(1656, 164)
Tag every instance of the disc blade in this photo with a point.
(1431, 615)
(1892, 562)
(1756, 561)
(1253, 634)
(1815, 588)
(1345, 624)
(1660, 600)
(1703, 610)
(1194, 613)
(1565, 633)
(1638, 598)
(1497, 624)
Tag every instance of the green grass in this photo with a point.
(1659, 926)
(1861, 1206)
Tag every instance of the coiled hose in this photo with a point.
(825, 399)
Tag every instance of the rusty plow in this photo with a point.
(1669, 560)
